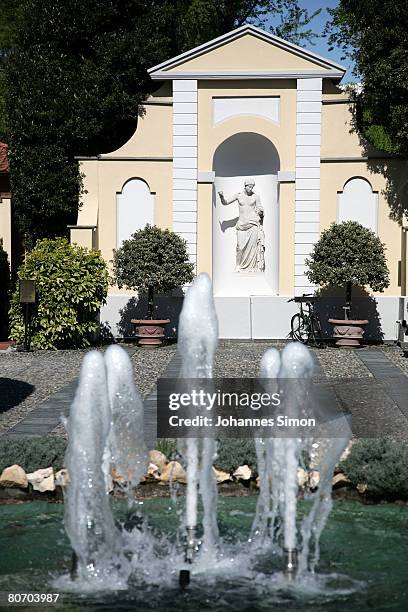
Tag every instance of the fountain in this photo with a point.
(106, 433)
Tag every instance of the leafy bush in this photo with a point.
(233, 452)
(4, 289)
(381, 464)
(71, 286)
(32, 453)
(167, 446)
(152, 260)
(348, 253)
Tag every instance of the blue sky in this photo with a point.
(320, 45)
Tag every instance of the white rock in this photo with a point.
(153, 473)
(221, 476)
(302, 477)
(158, 458)
(340, 480)
(314, 479)
(242, 473)
(62, 478)
(42, 480)
(173, 471)
(14, 477)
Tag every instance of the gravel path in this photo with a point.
(28, 379)
(242, 359)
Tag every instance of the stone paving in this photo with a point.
(39, 387)
(36, 388)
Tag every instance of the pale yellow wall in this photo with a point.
(246, 53)
(283, 136)
(204, 228)
(154, 134)
(112, 175)
(88, 211)
(333, 178)
(339, 138)
(83, 237)
(5, 225)
(286, 238)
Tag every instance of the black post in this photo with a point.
(150, 303)
(348, 300)
(26, 333)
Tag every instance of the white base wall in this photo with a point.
(257, 317)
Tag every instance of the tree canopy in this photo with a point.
(76, 74)
(348, 253)
(374, 34)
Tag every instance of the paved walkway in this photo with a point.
(46, 417)
(391, 377)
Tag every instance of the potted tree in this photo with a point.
(152, 261)
(348, 254)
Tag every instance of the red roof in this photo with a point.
(4, 163)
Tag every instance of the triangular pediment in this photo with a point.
(247, 51)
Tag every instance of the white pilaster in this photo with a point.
(307, 205)
(185, 162)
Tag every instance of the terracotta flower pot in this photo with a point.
(150, 331)
(348, 332)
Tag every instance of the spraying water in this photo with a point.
(126, 450)
(197, 343)
(88, 517)
(106, 429)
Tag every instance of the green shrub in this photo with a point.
(152, 261)
(382, 465)
(348, 254)
(71, 286)
(32, 453)
(167, 446)
(235, 452)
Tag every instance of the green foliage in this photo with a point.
(381, 464)
(76, 74)
(234, 452)
(4, 291)
(348, 252)
(152, 259)
(167, 446)
(32, 453)
(71, 286)
(374, 34)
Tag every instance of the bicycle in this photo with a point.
(305, 325)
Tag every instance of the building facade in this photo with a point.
(247, 105)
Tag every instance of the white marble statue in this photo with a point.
(250, 233)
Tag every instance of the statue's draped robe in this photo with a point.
(250, 245)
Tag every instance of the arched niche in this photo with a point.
(245, 154)
(134, 209)
(358, 202)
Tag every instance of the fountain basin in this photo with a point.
(362, 551)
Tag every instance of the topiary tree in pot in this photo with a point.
(152, 261)
(348, 254)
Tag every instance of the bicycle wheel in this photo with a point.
(299, 329)
(316, 331)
